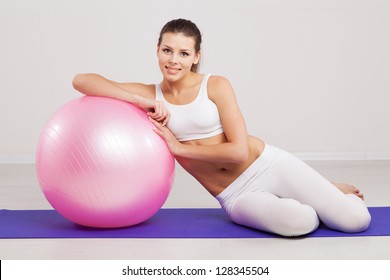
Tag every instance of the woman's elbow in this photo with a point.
(242, 154)
(83, 82)
(78, 82)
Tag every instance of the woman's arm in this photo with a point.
(235, 149)
(139, 94)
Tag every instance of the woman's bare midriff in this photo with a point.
(216, 176)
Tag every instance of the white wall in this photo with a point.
(312, 77)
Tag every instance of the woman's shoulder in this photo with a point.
(217, 79)
(218, 85)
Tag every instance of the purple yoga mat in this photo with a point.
(167, 223)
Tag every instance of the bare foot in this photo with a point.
(349, 189)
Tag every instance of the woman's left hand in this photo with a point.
(165, 133)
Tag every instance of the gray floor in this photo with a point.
(19, 189)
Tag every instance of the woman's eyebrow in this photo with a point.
(182, 50)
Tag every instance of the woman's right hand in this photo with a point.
(96, 85)
(155, 109)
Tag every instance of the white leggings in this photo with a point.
(281, 194)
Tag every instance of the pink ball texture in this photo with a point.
(100, 164)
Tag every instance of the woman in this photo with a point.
(197, 115)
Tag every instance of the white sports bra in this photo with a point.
(196, 120)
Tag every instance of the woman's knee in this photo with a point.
(351, 217)
(355, 221)
(299, 220)
(285, 217)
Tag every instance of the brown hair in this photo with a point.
(188, 28)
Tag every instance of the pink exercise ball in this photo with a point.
(100, 164)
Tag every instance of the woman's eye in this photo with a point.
(184, 54)
(166, 50)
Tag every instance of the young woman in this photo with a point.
(258, 185)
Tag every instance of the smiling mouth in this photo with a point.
(172, 70)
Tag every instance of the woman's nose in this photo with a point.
(173, 59)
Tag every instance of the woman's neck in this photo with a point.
(176, 87)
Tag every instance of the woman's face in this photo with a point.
(176, 54)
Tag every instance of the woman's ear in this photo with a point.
(197, 57)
